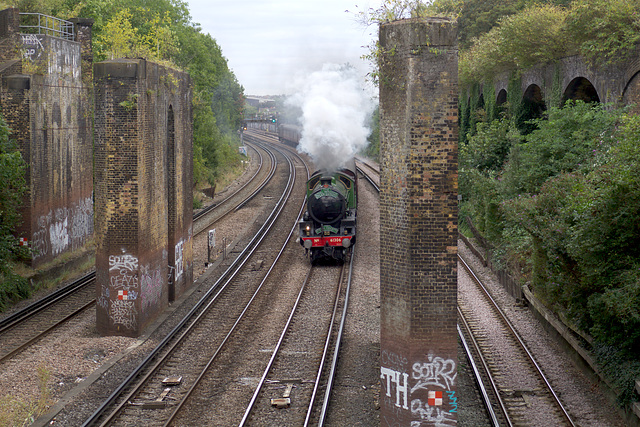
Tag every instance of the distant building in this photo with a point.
(254, 102)
(260, 102)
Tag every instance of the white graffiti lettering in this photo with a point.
(179, 260)
(123, 280)
(81, 222)
(40, 243)
(123, 262)
(123, 312)
(150, 287)
(32, 46)
(430, 414)
(392, 376)
(59, 236)
(103, 299)
(437, 372)
(63, 228)
(31, 39)
(432, 400)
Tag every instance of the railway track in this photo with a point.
(27, 326)
(302, 364)
(505, 405)
(522, 395)
(202, 341)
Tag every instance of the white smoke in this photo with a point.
(335, 113)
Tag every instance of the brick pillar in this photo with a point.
(130, 202)
(418, 221)
(143, 228)
(82, 28)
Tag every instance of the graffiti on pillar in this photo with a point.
(124, 289)
(393, 362)
(123, 312)
(59, 236)
(81, 222)
(424, 395)
(179, 260)
(63, 228)
(150, 287)
(102, 298)
(32, 46)
(436, 372)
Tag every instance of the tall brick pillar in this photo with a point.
(144, 200)
(418, 217)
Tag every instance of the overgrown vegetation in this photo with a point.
(160, 31)
(12, 168)
(558, 196)
(163, 31)
(373, 148)
(560, 206)
(19, 411)
(600, 30)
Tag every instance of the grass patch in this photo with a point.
(46, 276)
(15, 411)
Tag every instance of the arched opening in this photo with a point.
(480, 114)
(174, 253)
(580, 89)
(631, 94)
(501, 103)
(531, 107)
(501, 98)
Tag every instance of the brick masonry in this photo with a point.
(48, 107)
(418, 217)
(143, 157)
(144, 163)
(614, 83)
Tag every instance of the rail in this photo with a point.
(37, 23)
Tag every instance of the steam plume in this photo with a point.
(335, 112)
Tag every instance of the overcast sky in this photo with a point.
(269, 43)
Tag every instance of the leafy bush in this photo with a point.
(604, 30)
(488, 149)
(566, 139)
(589, 234)
(12, 169)
(535, 35)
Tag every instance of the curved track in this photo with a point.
(214, 321)
(27, 326)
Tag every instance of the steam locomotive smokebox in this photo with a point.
(418, 222)
(327, 229)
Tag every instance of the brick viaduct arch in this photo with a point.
(575, 78)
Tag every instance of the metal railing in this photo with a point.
(37, 23)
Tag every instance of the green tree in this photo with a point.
(120, 39)
(373, 149)
(488, 149)
(567, 139)
(605, 30)
(12, 170)
(163, 31)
